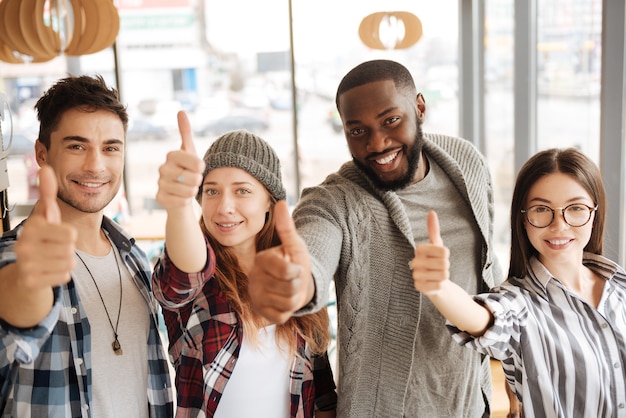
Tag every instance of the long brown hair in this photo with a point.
(314, 328)
(568, 161)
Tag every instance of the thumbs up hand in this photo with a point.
(45, 246)
(431, 265)
(431, 276)
(280, 282)
(181, 174)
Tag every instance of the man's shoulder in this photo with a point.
(449, 143)
(346, 176)
(121, 238)
(447, 149)
(341, 193)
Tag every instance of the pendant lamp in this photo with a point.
(40, 30)
(390, 30)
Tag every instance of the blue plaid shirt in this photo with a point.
(46, 371)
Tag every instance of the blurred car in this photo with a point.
(335, 121)
(281, 99)
(144, 129)
(19, 146)
(210, 109)
(252, 123)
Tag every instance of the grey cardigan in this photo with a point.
(361, 236)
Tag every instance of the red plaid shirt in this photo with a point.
(205, 337)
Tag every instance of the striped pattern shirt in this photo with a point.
(561, 356)
(205, 339)
(46, 371)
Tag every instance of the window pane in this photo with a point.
(228, 68)
(499, 110)
(568, 74)
(327, 45)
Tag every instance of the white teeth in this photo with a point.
(227, 225)
(90, 184)
(387, 159)
(559, 242)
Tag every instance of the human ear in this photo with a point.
(420, 102)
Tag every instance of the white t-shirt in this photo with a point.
(120, 382)
(259, 385)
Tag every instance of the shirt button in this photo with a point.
(604, 325)
(616, 365)
(79, 361)
(74, 310)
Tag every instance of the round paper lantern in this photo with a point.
(390, 30)
(32, 32)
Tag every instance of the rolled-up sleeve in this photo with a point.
(510, 314)
(174, 288)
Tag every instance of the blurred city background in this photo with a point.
(244, 63)
(228, 64)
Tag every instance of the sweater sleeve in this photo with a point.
(319, 225)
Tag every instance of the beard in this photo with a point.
(413, 156)
(93, 204)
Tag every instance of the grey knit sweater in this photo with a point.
(361, 236)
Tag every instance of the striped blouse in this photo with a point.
(561, 356)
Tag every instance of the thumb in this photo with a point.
(184, 127)
(286, 230)
(47, 205)
(433, 228)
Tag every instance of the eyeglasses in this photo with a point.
(576, 214)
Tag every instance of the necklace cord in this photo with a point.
(119, 273)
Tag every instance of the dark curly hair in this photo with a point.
(378, 70)
(85, 93)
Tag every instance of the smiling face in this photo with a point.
(382, 129)
(87, 154)
(559, 242)
(234, 207)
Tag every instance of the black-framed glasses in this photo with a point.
(542, 216)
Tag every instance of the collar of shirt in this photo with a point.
(604, 267)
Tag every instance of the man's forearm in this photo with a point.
(21, 306)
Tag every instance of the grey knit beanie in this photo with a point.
(249, 152)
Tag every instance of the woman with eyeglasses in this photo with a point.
(558, 324)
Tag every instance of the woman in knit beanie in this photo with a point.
(229, 362)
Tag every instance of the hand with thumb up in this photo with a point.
(44, 259)
(431, 276)
(431, 265)
(181, 174)
(280, 281)
(45, 247)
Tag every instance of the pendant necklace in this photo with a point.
(117, 348)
